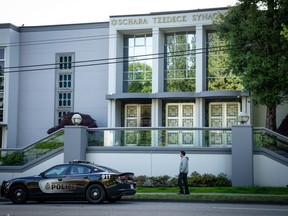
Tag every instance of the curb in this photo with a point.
(211, 198)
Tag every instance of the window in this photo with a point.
(2, 64)
(64, 85)
(57, 171)
(137, 75)
(180, 62)
(75, 169)
(218, 75)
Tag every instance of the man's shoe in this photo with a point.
(187, 193)
(180, 193)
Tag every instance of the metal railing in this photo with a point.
(160, 136)
(149, 137)
(271, 140)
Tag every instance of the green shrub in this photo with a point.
(222, 180)
(48, 145)
(13, 159)
(159, 181)
(140, 180)
(208, 180)
(194, 180)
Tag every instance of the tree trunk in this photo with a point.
(271, 117)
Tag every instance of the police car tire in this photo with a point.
(95, 194)
(19, 194)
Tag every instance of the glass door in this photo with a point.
(180, 115)
(137, 115)
(222, 115)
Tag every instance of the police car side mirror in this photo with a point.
(42, 174)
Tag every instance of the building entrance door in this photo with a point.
(222, 114)
(137, 115)
(180, 115)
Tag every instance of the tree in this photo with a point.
(258, 51)
(284, 32)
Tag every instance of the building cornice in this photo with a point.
(179, 95)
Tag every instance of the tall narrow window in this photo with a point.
(218, 75)
(138, 115)
(180, 115)
(64, 85)
(137, 75)
(2, 63)
(222, 114)
(180, 62)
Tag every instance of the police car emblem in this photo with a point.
(47, 186)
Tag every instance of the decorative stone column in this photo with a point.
(242, 155)
(75, 143)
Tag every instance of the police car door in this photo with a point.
(54, 182)
(78, 178)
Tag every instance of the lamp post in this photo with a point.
(76, 119)
(242, 118)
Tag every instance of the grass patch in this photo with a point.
(276, 195)
(232, 190)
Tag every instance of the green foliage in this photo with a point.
(223, 190)
(48, 145)
(180, 62)
(220, 77)
(284, 32)
(258, 52)
(222, 180)
(140, 77)
(159, 181)
(19, 158)
(194, 180)
(13, 159)
(141, 179)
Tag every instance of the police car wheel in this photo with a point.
(19, 194)
(95, 194)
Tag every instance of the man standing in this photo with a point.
(183, 172)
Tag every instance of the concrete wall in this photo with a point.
(37, 87)
(267, 172)
(157, 164)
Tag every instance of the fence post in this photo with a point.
(75, 143)
(242, 155)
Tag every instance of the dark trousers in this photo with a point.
(182, 180)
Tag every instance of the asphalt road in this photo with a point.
(131, 208)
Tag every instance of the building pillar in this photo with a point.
(242, 155)
(200, 59)
(157, 63)
(75, 143)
